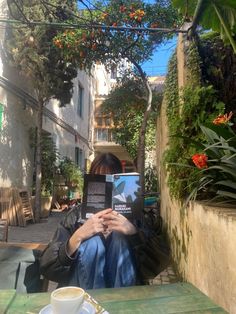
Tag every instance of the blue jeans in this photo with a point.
(104, 262)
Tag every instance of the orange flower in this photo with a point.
(114, 24)
(139, 13)
(57, 43)
(82, 54)
(132, 15)
(200, 160)
(223, 118)
(122, 8)
(104, 16)
(94, 46)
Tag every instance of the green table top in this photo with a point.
(171, 298)
(6, 298)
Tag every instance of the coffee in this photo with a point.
(69, 293)
(67, 300)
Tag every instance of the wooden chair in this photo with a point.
(3, 230)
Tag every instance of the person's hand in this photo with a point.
(92, 226)
(117, 222)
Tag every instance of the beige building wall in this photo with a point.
(105, 81)
(202, 238)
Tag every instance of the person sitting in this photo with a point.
(97, 253)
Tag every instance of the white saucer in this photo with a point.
(87, 308)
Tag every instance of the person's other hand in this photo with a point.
(117, 222)
(92, 226)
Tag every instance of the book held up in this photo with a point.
(121, 192)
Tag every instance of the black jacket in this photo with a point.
(56, 265)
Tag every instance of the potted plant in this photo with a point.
(49, 165)
(72, 175)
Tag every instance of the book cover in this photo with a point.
(120, 191)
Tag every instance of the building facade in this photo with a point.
(69, 126)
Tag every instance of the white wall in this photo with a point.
(65, 140)
(15, 153)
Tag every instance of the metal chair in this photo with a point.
(3, 230)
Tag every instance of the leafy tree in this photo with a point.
(218, 15)
(115, 32)
(126, 104)
(32, 51)
(49, 160)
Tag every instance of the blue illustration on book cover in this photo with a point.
(125, 194)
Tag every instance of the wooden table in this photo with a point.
(171, 298)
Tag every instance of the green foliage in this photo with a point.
(218, 65)
(32, 51)
(217, 181)
(126, 104)
(110, 46)
(196, 105)
(72, 174)
(222, 15)
(50, 156)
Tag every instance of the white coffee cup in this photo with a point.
(67, 300)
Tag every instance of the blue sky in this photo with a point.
(158, 64)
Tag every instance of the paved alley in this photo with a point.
(39, 232)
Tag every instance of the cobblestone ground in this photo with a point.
(42, 233)
(167, 276)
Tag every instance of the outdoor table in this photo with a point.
(170, 298)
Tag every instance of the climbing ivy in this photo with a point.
(195, 104)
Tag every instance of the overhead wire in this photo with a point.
(88, 24)
(95, 26)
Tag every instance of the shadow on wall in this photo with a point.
(16, 156)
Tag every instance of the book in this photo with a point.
(121, 192)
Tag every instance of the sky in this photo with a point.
(159, 62)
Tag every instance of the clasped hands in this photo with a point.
(105, 221)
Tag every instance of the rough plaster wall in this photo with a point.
(211, 258)
(15, 153)
(202, 238)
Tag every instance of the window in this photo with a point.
(80, 107)
(79, 157)
(104, 121)
(1, 115)
(107, 121)
(114, 72)
(99, 121)
(103, 135)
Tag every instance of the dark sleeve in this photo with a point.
(55, 264)
(138, 242)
